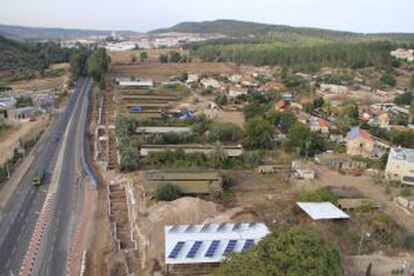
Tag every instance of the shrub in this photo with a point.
(320, 195)
(167, 192)
(409, 241)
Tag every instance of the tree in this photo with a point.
(282, 120)
(303, 142)
(308, 107)
(258, 134)
(352, 111)
(143, 56)
(318, 102)
(411, 85)
(388, 79)
(218, 155)
(405, 99)
(286, 251)
(24, 101)
(163, 58)
(167, 192)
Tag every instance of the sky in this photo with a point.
(138, 15)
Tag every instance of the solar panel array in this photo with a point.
(236, 226)
(176, 250)
(247, 244)
(230, 246)
(212, 248)
(194, 249)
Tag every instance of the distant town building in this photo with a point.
(210, 83)
(333, 88)
(234, 92)
(235, 78)
(360, 143)
(405, 54)
(133, 82)
(281, 105)
(192, 78)
(400, 165)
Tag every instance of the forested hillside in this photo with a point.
(302, 57)
(282, 33)
(29, 59)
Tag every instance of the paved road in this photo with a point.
(20, 214)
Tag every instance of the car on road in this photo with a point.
(39, 175)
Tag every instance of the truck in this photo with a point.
(38, 176)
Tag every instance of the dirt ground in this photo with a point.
(162, 71)
(153, 54)
(10, 138)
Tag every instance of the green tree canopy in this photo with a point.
(302, 141)
(294, 251)
(167, 192)
(258, 134)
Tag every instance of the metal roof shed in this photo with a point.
(322, 210)
(208, 243)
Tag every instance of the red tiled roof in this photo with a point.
(324, 123)
(281, 104)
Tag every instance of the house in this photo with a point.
(406, 202)
(210, 83)
(303, 171)
(360, 143)
(320, 125)
(248, 81)
(281, 105)
(333, 88)
(381, 120)
(406, 54)
(235, 78)
(198, 249)
(234, 92)
(400, 166)
(192, 78)
(272, 86)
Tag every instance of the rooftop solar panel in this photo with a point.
(174, 228)
(221, 226)
(212, 248)
(194, 249)
(230, 246)
(176, 250)
(205, 227)
(247, 244)
(236, 226)
(189, 228)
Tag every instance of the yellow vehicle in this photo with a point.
(38, 176)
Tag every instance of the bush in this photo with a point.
(224, 132)
(409, 241)
(284, 251)
(167, 192)
(406, 191)
(320, 195)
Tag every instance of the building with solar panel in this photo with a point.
(196, 249)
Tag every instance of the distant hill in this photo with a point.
(14, 54)
(243, 28)
(284, 33)
(19, 32)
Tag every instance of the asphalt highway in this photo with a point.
(19, 216)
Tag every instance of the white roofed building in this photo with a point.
(400, 165)
(322, 210)
(198, 244)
